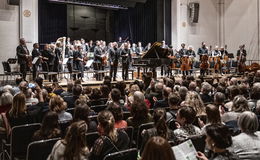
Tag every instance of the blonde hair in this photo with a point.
(57, 104)
(6, 98)
(193, 99)
(18, 106)
(107, 122)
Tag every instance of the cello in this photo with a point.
(185, 63)
(204, 65)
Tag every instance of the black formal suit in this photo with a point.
(56, 65)
(182, 52)
(113, 58)
(139, 50)
(22, 52)
(98, 62)
(126, 60)
(77, 55)
(45, 62)
(35, 53)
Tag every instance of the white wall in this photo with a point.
(9, 31)
(231, 22)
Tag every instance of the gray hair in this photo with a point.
(240, 104)
(138, 96)
(206, 87)
(248, 122)
(6, 98)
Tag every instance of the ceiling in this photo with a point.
(109, 4)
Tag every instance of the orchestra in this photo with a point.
(120, 54)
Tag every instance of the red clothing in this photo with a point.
(121, 124)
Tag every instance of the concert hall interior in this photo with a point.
(183, 73)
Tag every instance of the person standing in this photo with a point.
(113, 58)
(126, 60)
(203, 49)
(23, 54)
(46, 54)
(78, 62)
(36, 54)
(98, 60)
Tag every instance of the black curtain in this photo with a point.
(52, 21)
(138, 24)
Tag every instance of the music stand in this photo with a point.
(231, 55)
(12, 60)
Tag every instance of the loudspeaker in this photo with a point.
(13, 2)
(194, 12)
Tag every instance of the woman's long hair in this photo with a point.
(159, 118)
(75, 141)
(106, 121)
(193, 99)
(18, 106)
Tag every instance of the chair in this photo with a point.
(20, 138)
(63, 127)
(199, 142)
(98, 108)
(40, 150)
(139, 132)
(130, 132)
(8, 72)
(91, 138)
(129, 154)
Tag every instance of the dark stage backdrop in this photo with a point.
(52, 21)
(145, 22)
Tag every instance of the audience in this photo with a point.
(118, 115)
(6, 101)
(49, 128)
(58, 105)
(73, 146)
(110, 140)
(157, 148)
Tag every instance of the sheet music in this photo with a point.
(35, 60)
(185, 151)
(65, 60)
(89, 63)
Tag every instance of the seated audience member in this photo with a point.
(118, 115)
(111, 139)
(163, 103)
(6, 101)
(174, 104)
(73, 146)
(217, 141)
(247, 144)
(23, 87)
(193, 99)
(243, 90)
(57, 89)
(95, 97)
(205, 91)
(239, 105)
(121, 85)
(157, 148)
(233, 91)
(219, 99)
(156, 94)
(213, 116)
(115, 98)
(160, 128)
(183, 92)
(30, 99)
(255, 95)
(105, 90)
(18, 114)
(132, 90)
(139, 115)
(76, 92)
(81, 113)
(58, 105)
(49, 128)
(69, 91)
(138, 97)
(193, 86)
(185, 118)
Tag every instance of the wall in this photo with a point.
(230, 22)
(9, 31)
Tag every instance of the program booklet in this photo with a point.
(185, 151)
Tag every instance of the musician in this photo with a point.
(134, 49)
(78, 62)
(223, 52)
(126, 60)
(97, 64)
(139, 49)
(113, 57)
(120, 42)
(216, 52)
(164, 68)
(183, 50)
(46, 53)
(147, 47)
(23, 54)
(191, 53)
(91, 46)
(36, 54)
(241, 58)
(203, 49)
(69, 55)
(56, 60)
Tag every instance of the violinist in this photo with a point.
(223, 51)
(36, 54)
(78, 62)
(139, 49)
(216, 52)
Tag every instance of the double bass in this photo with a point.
(185, 63)
(204, 62)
